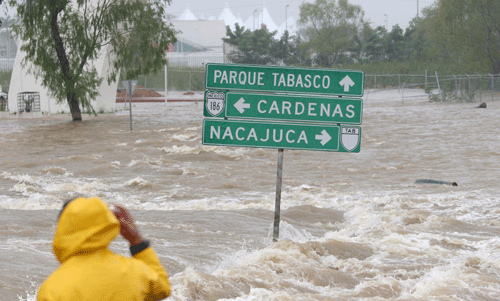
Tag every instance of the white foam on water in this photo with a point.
(79, 187)
(205, 204)
(26, 179)
(138, 182)
(33, 202)
(297, 270)
(55, 170)
(187, 137)
(184, 149)
(288, 231)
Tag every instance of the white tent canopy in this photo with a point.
(187, 15)
(257, 18)
(228, 17)
(290, 24)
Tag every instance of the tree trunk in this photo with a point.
(74, 107)
(496, 68)
(69, 84)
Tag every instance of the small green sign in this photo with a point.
(281, 107)
(319, 137)
(284, 79)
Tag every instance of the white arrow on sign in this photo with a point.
(347, 83)
(324, 137)
(240, 105)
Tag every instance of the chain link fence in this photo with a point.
(177, 80)
(6, 64)
(446, 88)
(432, 86)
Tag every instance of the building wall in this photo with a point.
(23, 81)
(205, 33)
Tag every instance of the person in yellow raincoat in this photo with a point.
(89, 270)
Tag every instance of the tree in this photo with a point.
(375, 45)
(468, 31)
(417, 46)
(1, 20)
(62, 38)
(331, 26)
(252, 47)
(289, 51)
(395, 44)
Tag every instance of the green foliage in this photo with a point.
(467, 31)
(62, 38)
(252, 47)
(261, 47)
(331, 28)
(5, 80)
(289, 51)
(190, 79)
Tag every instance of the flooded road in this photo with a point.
(354, 226)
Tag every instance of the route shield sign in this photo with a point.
(319, 137)
(214, 103)
(284, 79)
(279, 107)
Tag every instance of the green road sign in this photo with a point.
(319, 137)
(281, 107)
(284, 79)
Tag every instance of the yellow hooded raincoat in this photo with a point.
(89, 270)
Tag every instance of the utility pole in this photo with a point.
(254, 19)
(286, 16)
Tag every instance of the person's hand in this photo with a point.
(128, 228)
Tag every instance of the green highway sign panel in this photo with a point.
(284, 79)
(279, 107)
(319, 137)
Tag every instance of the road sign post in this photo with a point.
(277, 203)
(293, 109)
(130, 85)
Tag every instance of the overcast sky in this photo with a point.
(378, 12)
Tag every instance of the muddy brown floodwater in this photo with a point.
(354, 226)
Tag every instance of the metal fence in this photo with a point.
(431, 85)
(193, 60)
(446, 88)
(6, 64)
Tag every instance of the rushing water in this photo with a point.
(354, 226)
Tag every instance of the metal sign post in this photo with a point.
(130, 85)
(297, 112)
(277, 205)
(166, 84)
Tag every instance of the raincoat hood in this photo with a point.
(85, 225)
